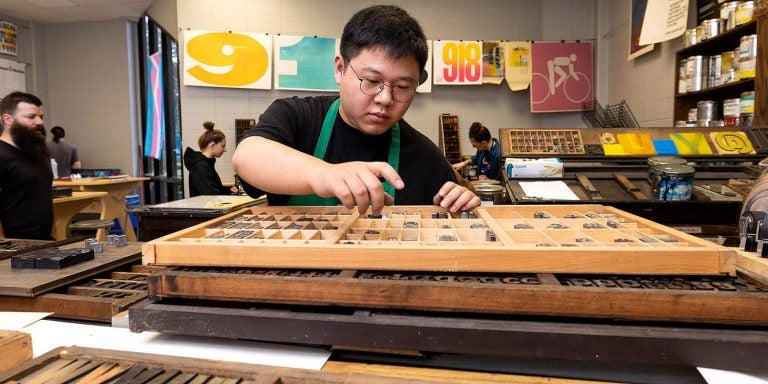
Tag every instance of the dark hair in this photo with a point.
(210, 135)
(9, 103)
(386, 27)
(58, 133)
(479, 132)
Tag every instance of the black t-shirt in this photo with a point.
(297, 122)
(26, 201)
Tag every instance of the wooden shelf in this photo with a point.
(449, 138)
(727, 41)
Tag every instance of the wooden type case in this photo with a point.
(546, 238)
(89, 365)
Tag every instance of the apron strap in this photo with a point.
(322, 146)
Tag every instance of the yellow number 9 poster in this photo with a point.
(227, 59)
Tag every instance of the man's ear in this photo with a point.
(338, 68)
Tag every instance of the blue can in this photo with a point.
(673, 182)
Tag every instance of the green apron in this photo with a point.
(322, 145)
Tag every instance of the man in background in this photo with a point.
(65, 154)
(26, 203)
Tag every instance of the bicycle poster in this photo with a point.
(561, 76)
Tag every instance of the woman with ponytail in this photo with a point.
(203, 179)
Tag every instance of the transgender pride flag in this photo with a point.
(154, 141)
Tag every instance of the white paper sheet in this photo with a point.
(717, 376)
(48, 334)
(16, 321)
(548, 190)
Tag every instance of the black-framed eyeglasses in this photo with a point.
(402, 92)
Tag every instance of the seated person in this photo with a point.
(355, 149)
(488, 155)
(203, 179)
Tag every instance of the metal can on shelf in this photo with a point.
(710, 28)
(747, 119)
(714, 69)
(690, 37)
(743, 12)
(726, 11)
(706, 110)
(747, 102)
(673, 182)
(731, 112)
(747, 56)
(692, 113)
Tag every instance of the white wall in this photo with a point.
(495, 106)
(88, 90)
(647, 82)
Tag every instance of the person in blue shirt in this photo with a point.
(488, 155)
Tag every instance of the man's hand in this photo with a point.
(455, 198)
(357, 183)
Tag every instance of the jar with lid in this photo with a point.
(673, 182)
(655, 161)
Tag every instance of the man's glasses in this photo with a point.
(403, 92)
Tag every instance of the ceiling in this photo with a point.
(73, 11)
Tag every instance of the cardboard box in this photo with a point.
(518, 168)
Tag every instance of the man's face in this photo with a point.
(27, 116)
(374, 114)
(27, 131)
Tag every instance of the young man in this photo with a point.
(355, 149)
(26, 204)
(488, 155)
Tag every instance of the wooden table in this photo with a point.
(112, 205)
(64, 208)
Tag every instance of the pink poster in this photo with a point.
(561, 76)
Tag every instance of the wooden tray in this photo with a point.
(543, 238)
(89, 365)
(553, 343)
(32, 282)
(710, 299)
(96, 299)
(15, 347)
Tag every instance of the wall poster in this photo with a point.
(227, 59)
(561, 76)
(636, 16)
(13, 77)
(8, 35)
(305, 63)
(457, 62)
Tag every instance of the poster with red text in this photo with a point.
(457, 62)
(561, 76)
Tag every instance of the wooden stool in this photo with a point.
(90, 225)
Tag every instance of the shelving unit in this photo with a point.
(449, 138)
(724, 42)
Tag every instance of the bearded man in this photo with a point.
(26, 204)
